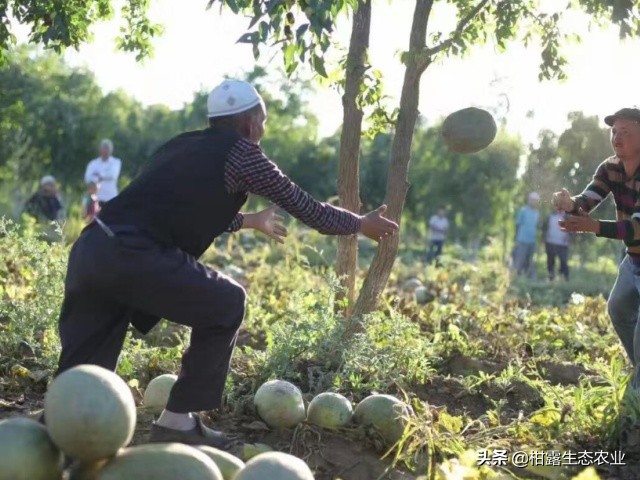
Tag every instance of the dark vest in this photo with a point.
(180, 199)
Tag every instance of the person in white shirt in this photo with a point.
(105, 171)
(438, 224)
(557, 245)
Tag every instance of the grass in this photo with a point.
(491, 363)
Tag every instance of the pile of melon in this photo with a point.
(90, 417)
(280, 405)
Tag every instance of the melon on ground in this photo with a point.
(87, 470)
(385, 413)
(250, 450)
(90, 412)
(160, 461)
(330, 410)
(228, 464)
(411, 284)
(27, 452)
(157, 392)
(422, 295)
(280, 404)
(275, 466)
(469, 130)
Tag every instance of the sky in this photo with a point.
(198, 49)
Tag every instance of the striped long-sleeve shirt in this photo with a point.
(610, 177)
(249, 170)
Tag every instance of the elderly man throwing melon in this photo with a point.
(137, 262)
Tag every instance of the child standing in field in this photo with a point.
(90, 203)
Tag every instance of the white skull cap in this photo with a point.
(47, 179)
(231, 97)
(534, 196)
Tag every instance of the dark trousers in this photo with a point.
(435, 250)
(560, 251)
(129, 278)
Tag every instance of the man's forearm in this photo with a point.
(248, 220)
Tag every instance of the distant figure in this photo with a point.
(556, 245)
(526, 233)
(438, 224)
(45, 205)
(90, 204)
(104, 171)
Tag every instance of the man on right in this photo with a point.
(620, 176)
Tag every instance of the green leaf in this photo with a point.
(318, 65)
(247, 38)
(301, 30)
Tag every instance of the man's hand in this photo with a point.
(562, 200)
(375, 226)
(268, 222)
(581, 223)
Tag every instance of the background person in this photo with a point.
(556, 242)
(438, 225)
(105, 171)
(89, 205)
(45, 205)
(526, 234)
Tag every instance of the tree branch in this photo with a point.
(429, 52)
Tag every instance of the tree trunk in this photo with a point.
(349, 168)
(397, 182)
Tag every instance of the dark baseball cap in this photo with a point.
(629, 113)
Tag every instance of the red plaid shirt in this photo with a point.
(249, 170)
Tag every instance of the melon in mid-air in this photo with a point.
(385, 413)
(90, 412)
(27, 452)
(157, 392)
(280, 404)
(469, 130)
(228, 464)
(160, 461)
(275, 466)
(330, 410)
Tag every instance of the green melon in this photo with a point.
(280, 404)
(275, 466)
(469, 130)
(250, 450)
(90, 412)
(411, 284)
(27, 452)
(87, 470)
(227, 463)
(160, 461)
(157, 392)
(385, 413)
(422, 295)
(330, 410)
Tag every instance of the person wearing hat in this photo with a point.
(618, 175)
(526, 233)
(104, 171)
(137, 262)
(45, 205)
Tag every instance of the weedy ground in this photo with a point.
(488, 364)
